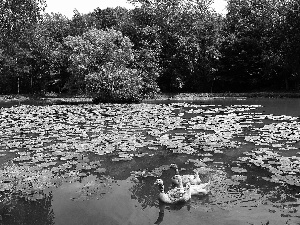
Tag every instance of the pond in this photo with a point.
(97, 164)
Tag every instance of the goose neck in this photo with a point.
(161, 188)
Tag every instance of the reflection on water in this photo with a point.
(18, 210)
(97, 164)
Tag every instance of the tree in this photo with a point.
(49, 65)
(17, 22)
(100, 63)
(188, 34)
(110, 17)
(115, 85)
(289, 35)
(246, 47)
(259, 50)
(18, 17)
(81, 23)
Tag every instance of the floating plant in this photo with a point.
(49, 146)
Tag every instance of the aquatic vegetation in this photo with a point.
(282, 169)
(50, 146)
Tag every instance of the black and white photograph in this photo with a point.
(148, 112)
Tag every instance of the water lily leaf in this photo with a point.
(239, 178)
(238, 170)
(100, 170)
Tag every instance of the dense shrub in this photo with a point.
(116, 85)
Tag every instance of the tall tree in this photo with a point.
(289, 36)
(260, 50)
(189, 35)
(49, 62)
(18, 17)
(17, 22)
(110, 17)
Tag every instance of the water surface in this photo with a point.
(96, 164)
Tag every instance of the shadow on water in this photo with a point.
(72, 165)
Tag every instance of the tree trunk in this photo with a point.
(18, 85)
(286, 84)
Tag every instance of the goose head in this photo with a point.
(159, 182)
(177, 179)
(175, 167)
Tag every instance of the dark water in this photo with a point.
(247, 148)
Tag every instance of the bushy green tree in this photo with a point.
(102, 64)
(115, 85)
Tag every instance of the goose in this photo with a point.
(193, 179)
(195, 189)
(175, 195)
(199, 189)
(180, 187)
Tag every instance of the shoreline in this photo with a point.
(188, 96)
(81, 99)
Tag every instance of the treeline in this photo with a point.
(117, 54)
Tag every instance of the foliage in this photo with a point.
(147, 63)
(110, 18)
(80, 23)
(289, 34)
(188, 36)
(101, 59)
(17, 18)
(50, 68)
(115, 85)
(174, 46)
(17, 22)
(256, 52)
